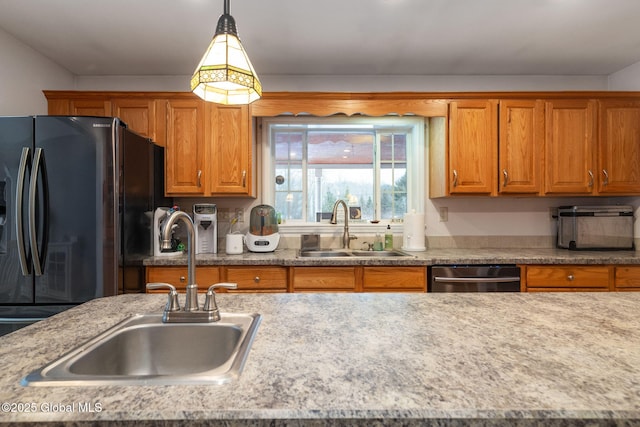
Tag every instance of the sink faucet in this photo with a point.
(346, 238)
(191, 304)
(191, 312)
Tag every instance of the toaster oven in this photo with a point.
(595, 227)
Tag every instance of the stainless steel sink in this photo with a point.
(329, 253)
(323, 253)
(142, 350)
(379, 253)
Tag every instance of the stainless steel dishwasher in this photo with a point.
(474, 278)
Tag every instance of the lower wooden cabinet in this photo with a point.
(323, 279)
(259, 278)
(252, 278)
(359, 279)
(394, 279)
(627, 278)
(568, 278)
(177, 276)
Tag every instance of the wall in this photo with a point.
(626, 79)
(24, 73)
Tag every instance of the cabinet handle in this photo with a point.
(256, 279)
(506, 177)
(199, 178)
(244, 178)
(455, 178)
(590, 178)
(570, 277)
(606, 177)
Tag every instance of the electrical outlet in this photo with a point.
(223, 214)
(444, 214)
(240, 214)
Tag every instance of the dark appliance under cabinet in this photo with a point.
(474, 278)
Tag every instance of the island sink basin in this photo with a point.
(142, 350)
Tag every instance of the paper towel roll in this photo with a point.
(413, 232)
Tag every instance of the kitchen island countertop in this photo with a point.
(477, 359)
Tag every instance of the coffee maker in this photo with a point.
(205, 218)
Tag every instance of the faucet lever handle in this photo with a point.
(172, 303)
(210, 298)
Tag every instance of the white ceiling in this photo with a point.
(348, 37)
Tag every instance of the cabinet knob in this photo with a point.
(183, 279)
(570, 277)
(256, 279)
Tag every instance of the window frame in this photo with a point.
(416, 166)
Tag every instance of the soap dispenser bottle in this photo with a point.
(388, 239)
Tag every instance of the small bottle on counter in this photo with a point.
(388, 239)
(377, 243)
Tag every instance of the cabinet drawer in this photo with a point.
(596, 277)
(252, 278)
(394, 279)
(177, 276)
(627, 277)
(324, 279)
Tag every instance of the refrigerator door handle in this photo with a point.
(39, 254)
(25, 264)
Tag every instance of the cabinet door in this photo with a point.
(251, 278)
(138, 114)
(184, 155)
(473, 147)
(570, 146)
(521, 142)
(90, 107)
(230, 150)
(567, 278)
(619, 147)
(394, 279)
(320, 279)
(177, 276)
(627, 278)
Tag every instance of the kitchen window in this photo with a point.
(375, 164)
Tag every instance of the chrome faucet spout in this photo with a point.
(191, 303)
(346, 238)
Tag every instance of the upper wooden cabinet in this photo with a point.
(473, 147)
(229, 155)
(521, 143)
(570, 146)
(208, 146)
(138, 114)
(185, 147)
(208, 149)
(619, 147)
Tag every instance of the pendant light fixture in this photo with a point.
(225, 74)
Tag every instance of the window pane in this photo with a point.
(341, 162)
(289, 204)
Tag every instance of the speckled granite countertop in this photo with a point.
(288, 257)
(477, 359)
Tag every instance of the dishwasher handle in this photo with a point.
(476, 279)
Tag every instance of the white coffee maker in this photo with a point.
(205, 218)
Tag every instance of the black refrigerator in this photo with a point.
(76, 204)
